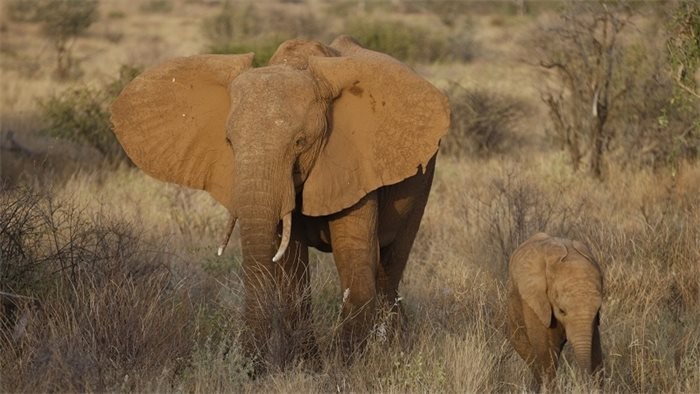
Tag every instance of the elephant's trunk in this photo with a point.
(262, 196)
(580, 334)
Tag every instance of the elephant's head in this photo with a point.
(562, 283)
(315, 130)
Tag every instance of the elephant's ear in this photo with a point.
(581, 248)
(171, 121)
(386, 124)
(527, 268)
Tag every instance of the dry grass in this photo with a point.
(131, 296)
(99, 326)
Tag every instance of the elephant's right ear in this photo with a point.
(171, 121)
(527, 268)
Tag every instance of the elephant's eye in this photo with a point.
(562, 312)
(228, 142)
(301, 142)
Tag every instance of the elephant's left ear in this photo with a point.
(386, 124)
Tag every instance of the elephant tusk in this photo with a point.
(229, 230)
(286, 235)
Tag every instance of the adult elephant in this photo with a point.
(337, 142)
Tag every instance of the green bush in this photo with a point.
(410, 43)
(81, 114)
(157, 6)
(21, 10)
(664, 127)
(62, 22)
(241, 29)
(263, 48)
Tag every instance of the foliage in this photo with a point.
(157, 6)
(516, 209)
(601, 69)
(683, 46)
(81, 114)
(241, 28)
(585, 61)
(62, 22)
(664, 127)
(22, 10)
(482, 122)
(262, 48)
(97, 287)
(410, 43)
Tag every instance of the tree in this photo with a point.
(583, 53)
(683, 46)
(62, 22)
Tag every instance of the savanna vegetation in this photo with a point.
(581, 119)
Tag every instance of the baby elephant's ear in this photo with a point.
(171, 121)
(527, 268)
(583, 250)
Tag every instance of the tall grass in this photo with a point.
(118, 311)
(110, 281)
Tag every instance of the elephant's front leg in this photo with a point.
(356, 252)
(547, 343)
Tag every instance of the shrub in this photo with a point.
(240, 29)
(157, 6)
(482, 122)
(515, 208)
(21, 10)
(661, 129)
(82, 114)
(410, 43)
(107, 306)
(62, 22)
(263, 48)
(683, 46)
(584, 57)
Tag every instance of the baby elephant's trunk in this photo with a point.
(580, 334)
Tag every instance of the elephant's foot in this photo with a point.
(279, 333)
(391, 322)
(357, 327)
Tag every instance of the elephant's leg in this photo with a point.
(356, 253)
(546, 344)
(410, 195)
(597, 354)
(292, 278)
(517, 331)
(393, 259)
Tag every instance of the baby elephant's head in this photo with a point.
(562, 283)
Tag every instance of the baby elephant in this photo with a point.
(555, 293)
